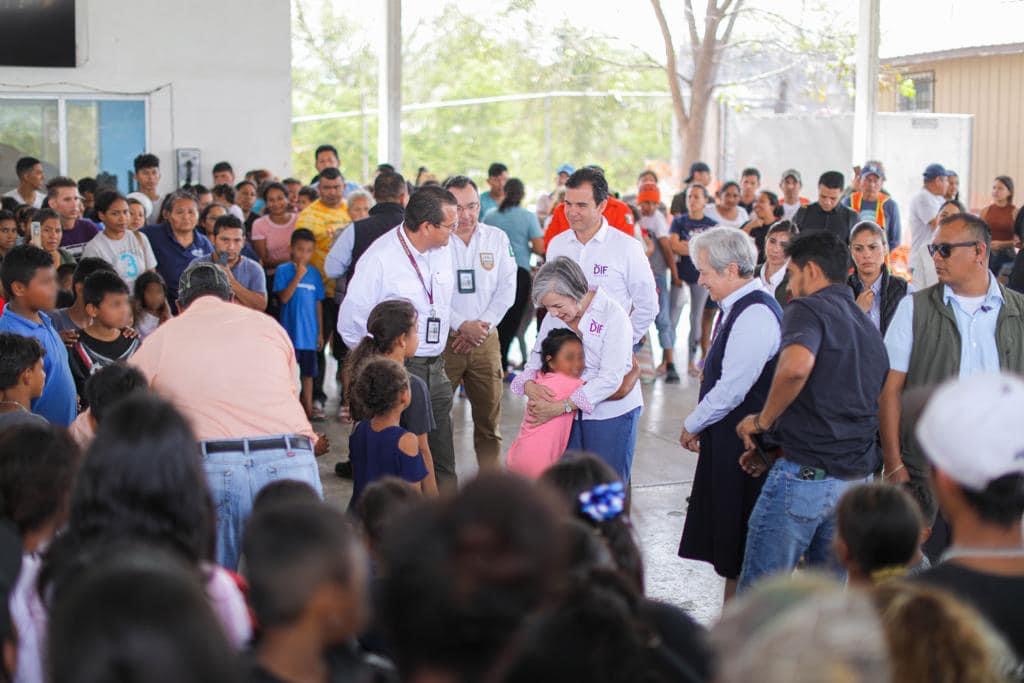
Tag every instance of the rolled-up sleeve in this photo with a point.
(642, 292)
(899, 338)
(753, 341)
(505, 295)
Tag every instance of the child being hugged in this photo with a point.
(538, 446)
(378, 446)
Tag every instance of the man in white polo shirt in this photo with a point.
(609, 258)
(485, 277)
(414, 262)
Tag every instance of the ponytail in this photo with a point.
(388, 321)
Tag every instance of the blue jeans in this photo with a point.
(793, 518)
(235, 478)
(613, 440)
(663, 321)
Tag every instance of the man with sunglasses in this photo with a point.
(413, 261)
(964, 325)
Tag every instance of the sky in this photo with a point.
(908, 26)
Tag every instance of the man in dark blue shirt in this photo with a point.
(821, 412)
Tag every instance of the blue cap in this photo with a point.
(566, 168)
(872, 169)
(936, 171)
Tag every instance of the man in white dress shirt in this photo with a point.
(609, 258)
(485, 278)
(414, 262)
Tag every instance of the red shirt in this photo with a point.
(616, 212)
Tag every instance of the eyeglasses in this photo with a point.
(453, 226)
(945, 249)
(469, 207)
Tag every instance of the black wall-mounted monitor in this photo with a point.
(37, 33)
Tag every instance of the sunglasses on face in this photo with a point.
(945, 249)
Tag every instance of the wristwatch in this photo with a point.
(568, 406)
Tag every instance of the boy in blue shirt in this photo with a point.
(30, 281)
(300, 289)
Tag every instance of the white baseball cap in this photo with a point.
(146, 202)
(972, 430)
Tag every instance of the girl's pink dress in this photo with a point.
(538, 446)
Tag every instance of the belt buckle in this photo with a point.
(807, 474)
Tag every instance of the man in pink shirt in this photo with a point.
(232, 372)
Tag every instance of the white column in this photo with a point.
(389, 91)
(865, 102)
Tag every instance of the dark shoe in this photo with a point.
(671, 376)
(344, 469)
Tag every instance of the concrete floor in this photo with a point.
(662, 476)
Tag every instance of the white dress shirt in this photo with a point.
(489, 256)
(385, 272)
(616, 263)
(607, 356)
(753, 340)
(771, 285)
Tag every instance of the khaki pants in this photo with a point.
(431, 370)
(481, 373)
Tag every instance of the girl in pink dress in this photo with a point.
(538, 446)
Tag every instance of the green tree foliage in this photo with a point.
(472, 60)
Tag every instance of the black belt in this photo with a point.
(289, 442)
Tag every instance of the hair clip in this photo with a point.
(604, 501)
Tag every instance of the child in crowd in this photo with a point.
(538, 446)
(391, 328)
(378, 446)
(66, 282)
(37, 467)
(137, 211)
(878, 533)
(306, 196)
(101, 342)
(103, 389)
(30, 280)
(300, 289)
(8, 232)
(308, 580)
(71, 318)
(21, 379)
(149, 305)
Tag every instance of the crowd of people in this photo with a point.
(163, 370)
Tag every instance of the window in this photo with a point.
(923, 98)
(98, 138)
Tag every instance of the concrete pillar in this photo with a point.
(389, 91)
(865, 102)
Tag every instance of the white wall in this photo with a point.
(217, 74)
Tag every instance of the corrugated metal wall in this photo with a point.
(992, 89)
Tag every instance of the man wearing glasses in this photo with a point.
(485, 278)
(414, 262)
(966, 324)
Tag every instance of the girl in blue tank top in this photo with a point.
(378, 446)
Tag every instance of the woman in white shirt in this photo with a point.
(608, 405)
(127, 250)
(727, 212)
(772, 272)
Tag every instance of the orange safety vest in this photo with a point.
(855, 200)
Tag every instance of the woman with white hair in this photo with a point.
(737, 375)
(607, 407)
